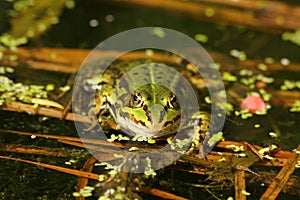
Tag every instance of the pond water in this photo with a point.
(222, 38)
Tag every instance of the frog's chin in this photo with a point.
(132, 128)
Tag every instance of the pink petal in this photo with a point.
(253, 104)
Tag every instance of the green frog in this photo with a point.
(139, 98)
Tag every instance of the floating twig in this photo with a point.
(50, 112)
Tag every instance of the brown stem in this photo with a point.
(268, 16)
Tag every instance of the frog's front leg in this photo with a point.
(99, 108)
(92, 114)
(201, 121)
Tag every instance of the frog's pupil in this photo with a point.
(173, 103)
(135, 98)
(137, 101)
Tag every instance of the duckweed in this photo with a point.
(246, 193)
(257, 125)
(9, 41)
(293, 37)
(215, 138)
(65, 88)
(201, 38)
(149, 52)
(118, 155)
(298, 164)
(209, 12)
(151, 141)
(112, 138)
(262, 67)
(50, 87)
(222, 159)
(159, 32)
(241, 155)
(290, 85)
(244, 114)
(70, 4)
(149, 172)
(246, 72)
(133, 149)
(207, 100)
(84, 192)
(284, 61)
(266, 96)
(235, 148)
(227, 76)
(273, 135)
(296, 106)
(241, 55)
(11, 91)
(101, 178)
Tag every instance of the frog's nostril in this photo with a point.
(157, 113)
(162, 115)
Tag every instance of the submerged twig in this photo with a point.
(161, 193)
(83, 181)
(65, 138)
(16, 148)
(273, 16)
(57, 168)
(101, 145)
(282, 177)
(240, 184)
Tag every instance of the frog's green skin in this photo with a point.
(149, 111)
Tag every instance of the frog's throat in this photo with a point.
(133, 125)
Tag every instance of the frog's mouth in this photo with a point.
(152, 128)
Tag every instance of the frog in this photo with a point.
(132, 100)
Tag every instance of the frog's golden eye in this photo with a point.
(136, 101)
(173, 102)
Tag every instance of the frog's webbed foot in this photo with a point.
(201, 127)
(196, 143)
(96, 114)
(92, 126)
(92, 114)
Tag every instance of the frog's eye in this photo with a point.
(136, 100)
(173, 102)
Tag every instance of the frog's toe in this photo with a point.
(92, 126)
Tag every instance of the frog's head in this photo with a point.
(152, 111)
